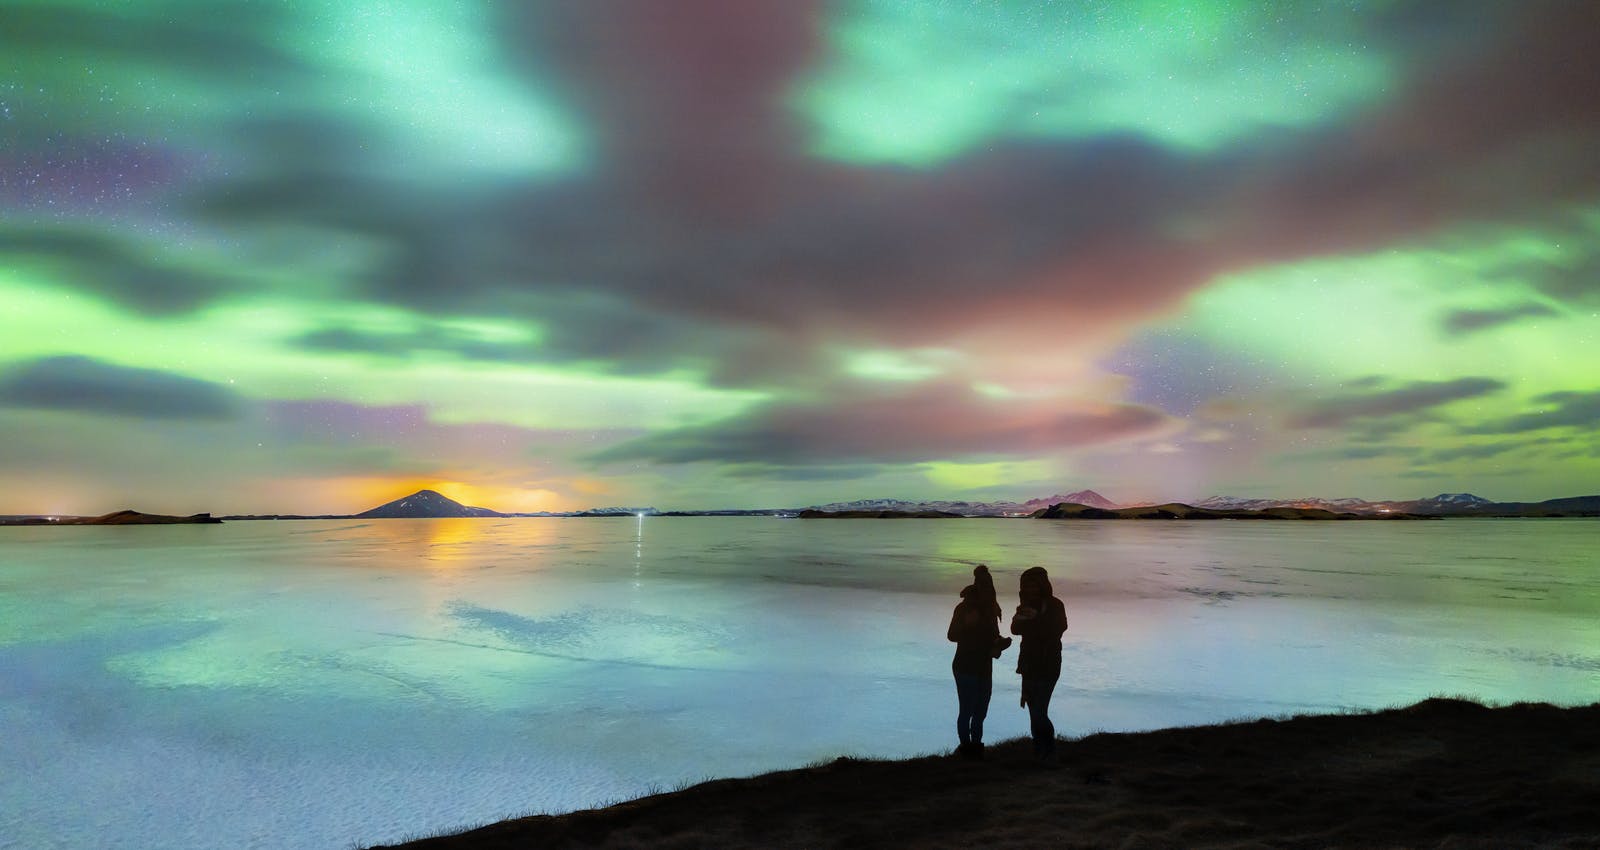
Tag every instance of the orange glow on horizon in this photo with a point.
(590, 486)
(354, 494)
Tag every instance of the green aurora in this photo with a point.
(303, 256)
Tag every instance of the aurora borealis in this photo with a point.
(261, 257)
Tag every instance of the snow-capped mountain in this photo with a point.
(1444, 503)
(870, 505)
(1238, 503)
(1460, 500)
(902, 505)
(1079, 497)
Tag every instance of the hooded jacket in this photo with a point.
(974, 627)
(1040, 653)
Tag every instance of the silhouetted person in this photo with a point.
(1040, 619)
(975, 630)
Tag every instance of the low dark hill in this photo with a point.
(1574, 506)
(810, 514)
(1178, 510)
(1442, 773)
(129, 517)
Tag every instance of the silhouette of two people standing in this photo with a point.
(1040, 619)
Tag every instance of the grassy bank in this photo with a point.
(1442, 773)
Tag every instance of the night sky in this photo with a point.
(310, 256)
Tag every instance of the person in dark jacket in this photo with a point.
(1039, 620)
(975, 630)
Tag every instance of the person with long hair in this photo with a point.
(1039, 620)
(975, 630)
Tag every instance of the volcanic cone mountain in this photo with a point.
(425, 504)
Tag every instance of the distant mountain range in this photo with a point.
(1444, 504)
(1178, 510)
(1081, 497)
(425, 504)
(1080, 504)
(430, 504)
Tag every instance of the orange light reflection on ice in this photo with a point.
(431, 542)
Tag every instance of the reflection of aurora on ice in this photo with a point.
(594, 629)
(330, 683)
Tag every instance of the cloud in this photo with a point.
(684, 96)
(1500, 127)
(114, 268)
(702, 203)
(705, 232)
(877, 424)
(1366, 452)
(94, 174)
(597, 331)
(1422, 473)
(91, 386)
(423, 438)
(105, 97)
(181, 37)
(820, 472)
(298, 456)
(1462, 322)
(1479, 451)
(1556, 410)
(700, 234)
(409, 344)
(1577, 282)
(1410, 398)
(1034, 235)
(1474, 451)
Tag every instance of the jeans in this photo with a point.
(1044, 732)
(972, 692)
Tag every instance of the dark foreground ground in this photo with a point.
(1442, 773)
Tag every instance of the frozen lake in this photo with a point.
(321, 683)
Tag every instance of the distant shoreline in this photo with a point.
(1178, 510)
(1150, 513)
(128, 517)
(1087, 504)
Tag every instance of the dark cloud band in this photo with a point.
(1410, 398)
(91, 386)
(871, 424)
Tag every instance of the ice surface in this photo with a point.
(328, 683)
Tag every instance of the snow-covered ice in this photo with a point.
(324, 683)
